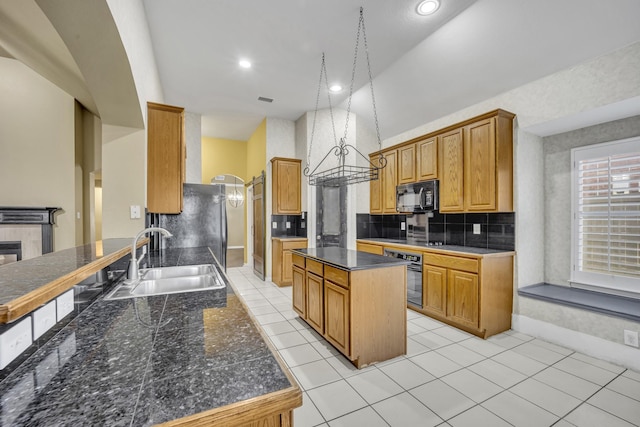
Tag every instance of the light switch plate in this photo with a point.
(274, 225)
(288, 225)
(476, 228)
(403, 225)
(135, 211)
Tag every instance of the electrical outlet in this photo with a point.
(476, 228)
(288, 225)
(403, 226)
(274, 225)
(631, 338)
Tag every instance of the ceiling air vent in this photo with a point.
(263, 99)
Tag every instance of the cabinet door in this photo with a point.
(427, 153)
(299, 291)
(336, 315)
(287, 264)
(389, 182)
(434, 289)
(286, 182)
(407, 164)
(375, 189)
(463, 297)
(165, 158)
(315, 302)
(480, 166)
(451, 174)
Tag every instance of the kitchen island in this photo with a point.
(193, 358)
(355, 300)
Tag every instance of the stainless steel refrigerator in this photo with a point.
(203, 221)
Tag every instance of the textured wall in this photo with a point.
(223, 157)
(193, 135)
(557, 183)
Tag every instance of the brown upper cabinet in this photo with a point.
(427, 158)
(166, 153)
(286, 186)
(407, 164)
(375, 189)
(473, 161)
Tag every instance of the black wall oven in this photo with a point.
(414, 274)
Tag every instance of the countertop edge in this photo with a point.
(25, 304)
(435, 249)
(394, 263)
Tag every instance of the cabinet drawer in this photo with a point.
(294, 245)
(298, 260)
(337, 276)
(456, 263)
(314, 267)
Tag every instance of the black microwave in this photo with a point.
(417, 197)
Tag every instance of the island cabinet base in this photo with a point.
(362, 313)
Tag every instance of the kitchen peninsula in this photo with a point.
(194, 358)
(355, 300)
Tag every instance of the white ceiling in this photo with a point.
(423, 67)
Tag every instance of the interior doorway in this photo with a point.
(235, 206)
(331, 216)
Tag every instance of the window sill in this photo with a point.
(612, 305)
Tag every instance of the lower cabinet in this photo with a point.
(474, 294)
(281, 260)
(362, 313)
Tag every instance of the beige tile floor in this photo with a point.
(447, 378)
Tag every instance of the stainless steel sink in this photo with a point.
(169, 280)
(179, 271)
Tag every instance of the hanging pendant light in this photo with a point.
(345, 174)
(235, 197)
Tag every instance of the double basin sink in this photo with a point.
(169, 280)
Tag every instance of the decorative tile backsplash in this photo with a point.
(297, 225)
(480, 230)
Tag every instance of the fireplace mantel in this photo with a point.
(44, 216)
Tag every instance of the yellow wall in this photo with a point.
(223, 157)
(257, 151)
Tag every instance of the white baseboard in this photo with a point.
(618, 354)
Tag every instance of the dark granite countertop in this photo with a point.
(20, 278)
(423, 245)
(347, 259)
(145, 361)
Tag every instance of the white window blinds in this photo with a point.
(606, 217)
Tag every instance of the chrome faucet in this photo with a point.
(133, 274)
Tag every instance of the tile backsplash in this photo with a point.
(481, 230)
(297, 225)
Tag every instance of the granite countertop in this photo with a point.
(144, 361)
(423, 244)
(347, 259)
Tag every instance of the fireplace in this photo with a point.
(25, 232)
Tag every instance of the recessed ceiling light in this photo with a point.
(244, 63)
(335, 88)
(427, 7)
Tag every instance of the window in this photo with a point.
(606, 215)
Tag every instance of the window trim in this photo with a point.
(609, 283)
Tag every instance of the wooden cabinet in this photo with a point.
(286, 186)
(451, 171)
(389, 182)
(336, 315)
(362, 313)
(299, 291)
(375, 189)
(281, 259)
(407, 164)
(472, 293)
(367, 247)
(427, 158)
(476, 165)
(166, 153)
(382, 196)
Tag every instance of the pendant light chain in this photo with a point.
(323, 71)
(361, 26)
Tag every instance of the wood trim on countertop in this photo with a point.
(25, 304)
